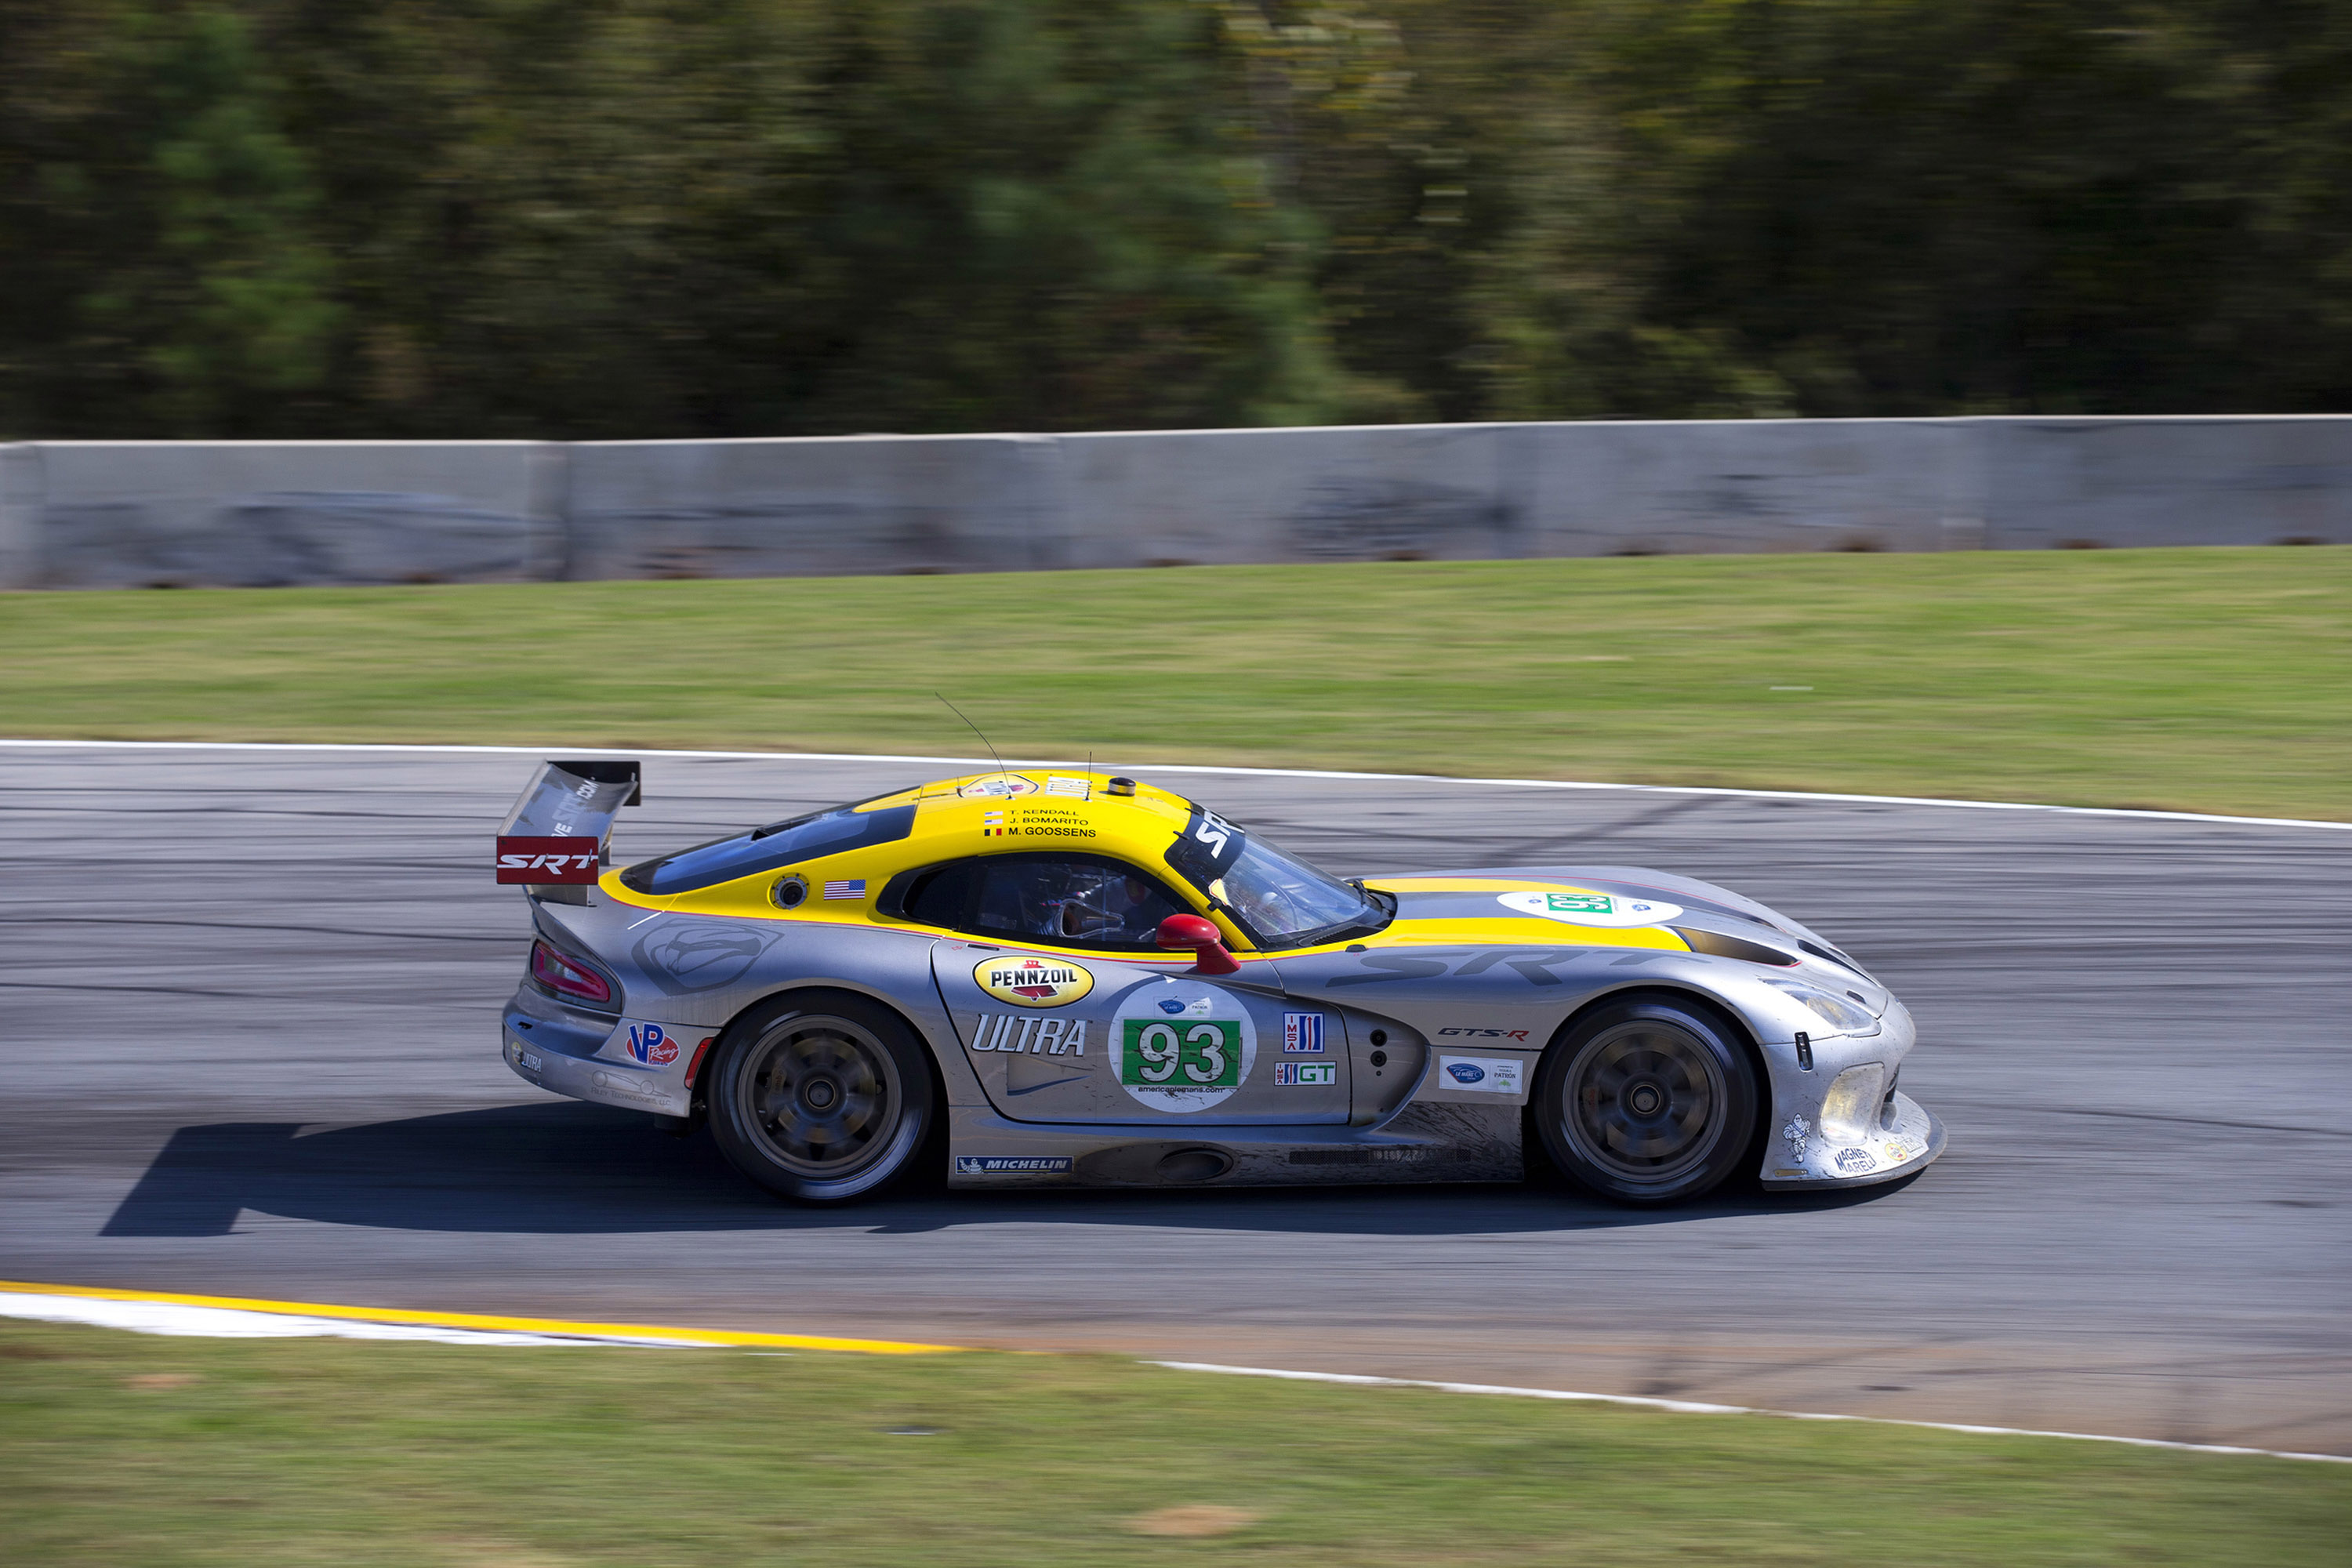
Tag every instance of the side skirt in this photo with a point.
(1420, 1143)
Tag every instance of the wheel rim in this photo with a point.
(1646, 1102)
(822, 1097)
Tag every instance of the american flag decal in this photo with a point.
(852, 890)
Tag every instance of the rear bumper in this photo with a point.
(569, 1057)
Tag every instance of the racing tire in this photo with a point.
(1646, 1102)
(820, 1097)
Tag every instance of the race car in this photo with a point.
(1041, 977)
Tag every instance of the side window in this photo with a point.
(940, 896)
(1070, 901)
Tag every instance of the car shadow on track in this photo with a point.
(579, 1169)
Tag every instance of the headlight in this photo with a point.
(1850, 1110)
(1836, 1011)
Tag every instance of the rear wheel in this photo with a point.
(823, 1098)
(1646, 1102)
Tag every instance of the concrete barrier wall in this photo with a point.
(106, 514)
(814, 507)
(122, 514)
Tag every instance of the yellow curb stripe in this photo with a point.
(483, 1320)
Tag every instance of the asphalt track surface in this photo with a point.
(252, 1050)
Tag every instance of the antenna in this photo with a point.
(975, 729)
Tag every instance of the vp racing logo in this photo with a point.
(651, 1044)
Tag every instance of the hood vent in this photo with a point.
(1716, 944)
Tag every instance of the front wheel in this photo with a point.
(823, 1100)
(1646, 1102)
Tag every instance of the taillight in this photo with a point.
(568, 977)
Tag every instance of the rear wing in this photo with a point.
(553, 842)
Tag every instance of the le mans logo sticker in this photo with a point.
(1033, 981)
(1581, 906)
(999, 786)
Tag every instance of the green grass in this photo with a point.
(127, 1449)
(2203, 679)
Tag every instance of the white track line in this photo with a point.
(983, 763)
(184, 1321)
(179, 1318)
(1689, 1408)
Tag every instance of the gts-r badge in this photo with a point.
(1488, 1034)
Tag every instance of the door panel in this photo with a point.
(1061, 1038)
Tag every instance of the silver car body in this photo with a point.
(1380, 1065)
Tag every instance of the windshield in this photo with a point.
(1279, 901)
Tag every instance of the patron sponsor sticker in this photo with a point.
(1009, 1164)
(1486, 1075)
(650, 1043)
(1030, 982)
(1582, 908)
(1304, 1073)
(1302, 1033)
(1188, 1060)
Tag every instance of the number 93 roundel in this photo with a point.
(1180, 1046)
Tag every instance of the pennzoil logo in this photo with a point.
(1033, 981)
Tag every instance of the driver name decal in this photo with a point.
(1030, 982)
(1186, 1058)
(1582, 907)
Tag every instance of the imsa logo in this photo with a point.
(1033, 981)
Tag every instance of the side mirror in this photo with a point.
(1201, 937)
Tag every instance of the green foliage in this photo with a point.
(194, 1453)
(608, 217)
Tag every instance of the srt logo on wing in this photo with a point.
(545, 862)
(1490, 1034)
